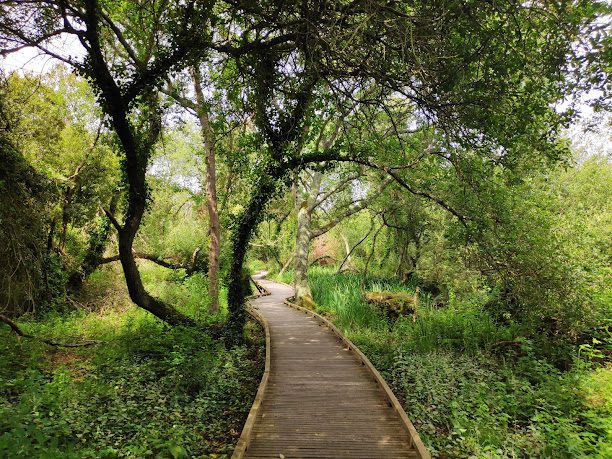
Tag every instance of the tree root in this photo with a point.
(18, 331)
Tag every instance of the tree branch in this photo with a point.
(148, 256)
(113, 220)
(18, 331)
(335, 190)
(170, 91)
(353, 209)
(424, 194)
(121, 38)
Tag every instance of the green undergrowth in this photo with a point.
(147, 390)
(190, 294)
(474, 388)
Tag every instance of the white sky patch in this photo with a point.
(592, 136)
(33, 60)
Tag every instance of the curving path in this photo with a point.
(320, 400)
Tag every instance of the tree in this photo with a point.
(485, 74)
(315, 198)
(200, 108)
(126, 96)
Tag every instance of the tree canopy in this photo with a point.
(420, 86)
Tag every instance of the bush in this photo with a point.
(27, 271)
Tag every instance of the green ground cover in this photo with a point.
(147, 390)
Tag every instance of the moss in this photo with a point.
(308, 303)
(398, 303)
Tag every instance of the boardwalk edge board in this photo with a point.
(245, 436)
(413, 435)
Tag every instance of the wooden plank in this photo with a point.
(408, 426)
(319, 399)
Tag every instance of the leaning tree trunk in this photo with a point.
(237, 284)
(136, 289)
(137, 144)
(136, 166)
(251, 216)
(214, 228)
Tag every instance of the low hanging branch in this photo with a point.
(390, 171)
(147, 256)
(157, 259)
(18, 331)
(355, 207)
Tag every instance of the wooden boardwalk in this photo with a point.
(318, 399)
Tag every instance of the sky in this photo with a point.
(32, 60)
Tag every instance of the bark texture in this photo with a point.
(214, 227)
(303, 295)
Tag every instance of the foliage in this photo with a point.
(458, 104)
(478, 406)
(532, 247)
(22, 275)
(60, 171)
(189, 293)
(146, 391)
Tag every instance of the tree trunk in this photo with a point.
(137, 144)
(211, 195)
(303, 295)
(65, 215)
(347, 249)
(302, 249)
(50, 235)
(350, 251)
(286, 265)
(247, 222)
(136, 289)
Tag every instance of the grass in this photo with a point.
(147, 391)
(467, 393)
(452, 328)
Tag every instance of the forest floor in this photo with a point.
(147, 390)
(467, 397)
